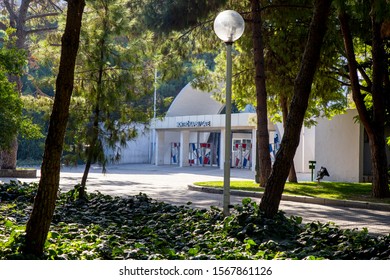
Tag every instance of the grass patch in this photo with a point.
(329, 190)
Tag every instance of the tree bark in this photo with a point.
(380, 185)
(292, 175)
(374, 126)
(94, 139)
(92, 147)
(8, 157)
(262, 137)
(82, 189)
(39, 222)
(302, 87)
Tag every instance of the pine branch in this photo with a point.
(42, 15)
(194, 27)
(364, 75)
(346, 76)
(11, 12)
(288, 6)
(55, 6)
(32, 31)
(38, 91)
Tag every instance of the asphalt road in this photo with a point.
(170, 184)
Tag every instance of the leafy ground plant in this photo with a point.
(138, 227)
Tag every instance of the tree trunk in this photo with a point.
(92, 144)
(380, 185)
(82, 189)
(380, 182)
(39, 222)
(8, 157)
(96, 113)
(262, 137)
(302, 88)
(375, 126)
(292, 175)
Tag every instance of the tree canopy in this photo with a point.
(11, 61)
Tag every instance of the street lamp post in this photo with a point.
(229, 26)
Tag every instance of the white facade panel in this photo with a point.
(305, 151)
(137, 150)
(338, 147)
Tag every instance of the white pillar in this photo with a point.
(253, 151)
(160, 147)
(184, 148)
(222, 148)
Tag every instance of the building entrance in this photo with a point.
(205, 153)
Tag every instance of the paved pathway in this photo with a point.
(169, 184)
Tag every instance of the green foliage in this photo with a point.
(285, 38)
(285, 27)
(12, 120)
(140, 228)
(36, 113)
(115, 79)
(10, 111)
(162, 15)
(30, 130)
(111, 84)
(360, 14)
(11, 61)
(19, 191)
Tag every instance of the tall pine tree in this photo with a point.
(41, 216)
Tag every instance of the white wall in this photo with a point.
(174, 136)
(338, 147)
(137, 150)
(306, 149)
(170, 137)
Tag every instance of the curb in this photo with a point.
(18, 173)
(302, 199)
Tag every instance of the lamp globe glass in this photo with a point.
(229, 26)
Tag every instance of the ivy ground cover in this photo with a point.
(138, 227)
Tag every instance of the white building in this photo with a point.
(193, 133)
(341, 145)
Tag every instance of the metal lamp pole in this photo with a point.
(229, 26)
(228, 130)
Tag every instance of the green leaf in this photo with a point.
(246, 201)
(9, 224)
(250, 242)
(193, 251)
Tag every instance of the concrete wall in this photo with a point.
(338, 147)
(306, 149)
(165, 149)
(137, 150)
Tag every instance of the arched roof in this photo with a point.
(191, 101)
